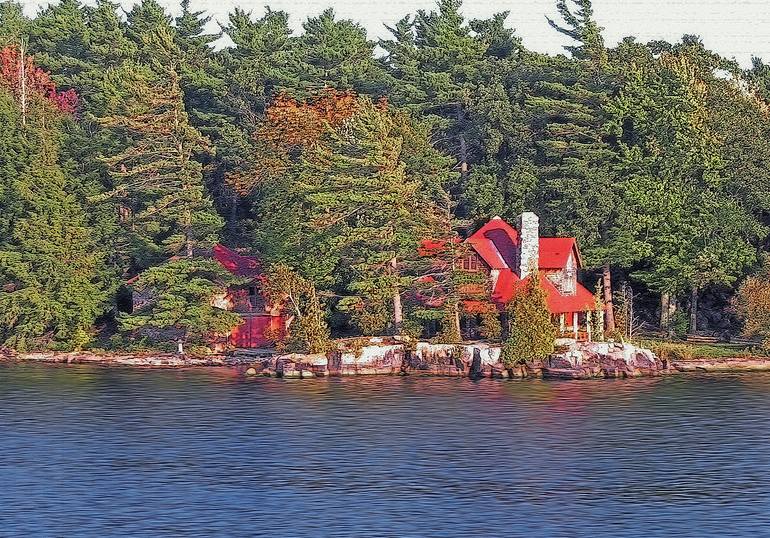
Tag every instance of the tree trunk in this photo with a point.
(463, 144)
(398, 309)
(609, 316)
(665, 305)
(456, 321)
(694, 311)
(188, 242)
(667, 312)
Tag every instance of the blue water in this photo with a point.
(112, 452)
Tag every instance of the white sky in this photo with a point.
(734, 28)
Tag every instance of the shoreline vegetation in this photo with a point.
(158, 191)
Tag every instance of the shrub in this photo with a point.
(532, 334)
(753, 305)
(491, 329)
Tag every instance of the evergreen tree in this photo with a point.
(182, 294)
(201, 76)
(336, 54)
(146, 19)
(158, 185)
(362, 205)
(580, 25)
(435, 64)
(531, 333)
(14, 25)
(59, 40)
(51, 290)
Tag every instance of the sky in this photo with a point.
(733, 28)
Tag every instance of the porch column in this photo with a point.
(588, 324)
(561, 324)
(575, 324)
(600, 313)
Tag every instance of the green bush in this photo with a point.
(532, 334)
(671, 352)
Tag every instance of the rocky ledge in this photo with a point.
(739, 364)
(588, 360)
(392, 357)
(137, 360)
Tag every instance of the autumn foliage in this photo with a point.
(38, 82)
(290, 125)
(753, 304)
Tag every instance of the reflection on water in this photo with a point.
(104, 452)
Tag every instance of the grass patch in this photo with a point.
(683, 351)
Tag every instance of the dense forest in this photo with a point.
(131, 144)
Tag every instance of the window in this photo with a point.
(252, 297)
(471, 263)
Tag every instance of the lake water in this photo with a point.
(117, 452)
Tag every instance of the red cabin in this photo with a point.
(262, 321)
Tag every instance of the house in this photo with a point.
(262, 321)
(510, 255)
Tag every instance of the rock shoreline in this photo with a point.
(134, 360)
(575, 361)
(380, 357)
(735, 364)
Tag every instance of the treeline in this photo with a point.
(130, 143)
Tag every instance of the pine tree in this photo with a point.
(14, 25)
(359, 200)
(531, 334)
(158, 185)
(145, 19)
(201, 75)
(59, 40)
(581, 26)
(336, 54)
(182, 294)
(579, 192)
(436, 63)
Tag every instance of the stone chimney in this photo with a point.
(529, 237)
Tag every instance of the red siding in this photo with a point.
(251, 333)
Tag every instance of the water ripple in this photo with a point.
(111, 452)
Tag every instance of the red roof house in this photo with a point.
(511, 255)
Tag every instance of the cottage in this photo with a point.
(509, 256)
(262, 321)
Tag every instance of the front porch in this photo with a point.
(576, 325)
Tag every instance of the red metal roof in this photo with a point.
(505, 286)
(581, 301)
(555, 251)
(246, 266)
(497, 243)
(509, 283)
